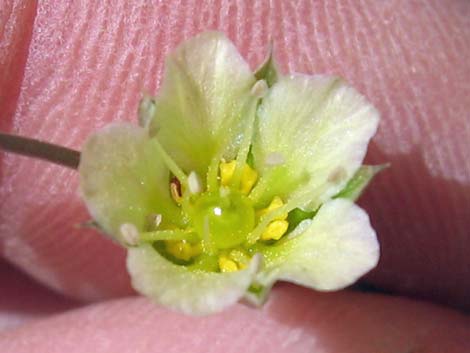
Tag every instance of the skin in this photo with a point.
(25, 300)
(68, 70)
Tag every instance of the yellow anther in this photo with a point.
(249, 177)
(226, 172)
(275, 230)
(274, 205)
(240, 257)
(227, 265)
(183, 250)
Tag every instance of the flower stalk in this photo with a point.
(29, 147)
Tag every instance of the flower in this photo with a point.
(235, 180)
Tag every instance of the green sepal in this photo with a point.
(249, 158)
(297, 215)
(357, 184)
(90, 224)
(257, 294)
(268, 69)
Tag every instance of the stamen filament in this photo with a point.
(207, 241)
(258, 190)
(171, 164)
(170, 234)
(212, 173)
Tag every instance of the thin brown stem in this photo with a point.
(42, 150)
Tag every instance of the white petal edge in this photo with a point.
(322, 127)
(336, 249)
(191, 292)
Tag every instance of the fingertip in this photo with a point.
(294, 320)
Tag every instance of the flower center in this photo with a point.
(219, 220)
(223, 219)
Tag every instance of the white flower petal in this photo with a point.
(192, 292)
(322, 127)
(203, 102)
(123, 180)
(337, 247)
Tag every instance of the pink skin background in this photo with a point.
(69, 68)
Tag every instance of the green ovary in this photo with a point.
(223, 220)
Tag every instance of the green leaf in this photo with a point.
(357, 184)
(318, 128)
(191, 292)
(268, 69)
